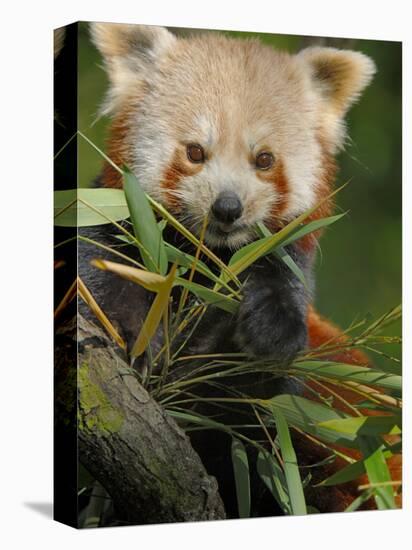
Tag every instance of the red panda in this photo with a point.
(239, 103)
(233, 129)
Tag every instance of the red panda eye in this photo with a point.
(264, 161)
(195, 153)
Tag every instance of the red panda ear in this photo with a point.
(339, 75)
(121, 40)
(130, 52)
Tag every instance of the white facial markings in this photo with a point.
(153, 148)
(204, 131)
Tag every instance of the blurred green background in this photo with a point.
(359, 270)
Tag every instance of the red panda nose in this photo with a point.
(227, 207)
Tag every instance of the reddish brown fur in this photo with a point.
(277, 178)
(323, 332)
(179, 168)
(117, 148)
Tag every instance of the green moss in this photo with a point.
(95, 410)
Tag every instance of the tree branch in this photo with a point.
(127, 441)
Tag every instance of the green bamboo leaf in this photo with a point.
(89, 207)
(247, 255)
(292, 474)
(273, 477)
(204, 421)
(365, 425)
(303, 230)
(352, 373)
(363, 497)
(378, 471)
(311, 227)
(155, 283)
(209, 296)
(242, 479)
(281, 253)
(384, 320)
(184, 259)
(348, 473)
(161, 210)
(146, 229)
(154, 316)
(174, 255)
(307, 415)
(292, 265)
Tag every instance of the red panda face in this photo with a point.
(225, 156)
(228, 129)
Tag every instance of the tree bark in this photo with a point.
(126, 440)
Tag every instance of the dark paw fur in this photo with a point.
(271, 327)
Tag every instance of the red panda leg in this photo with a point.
(323, 332)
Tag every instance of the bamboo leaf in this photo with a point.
(154, 316)
(307, 415)
(305, 229)
(187, 260)
(161, 210)
(247, 255)
(348, 473)
(148, 280)
(273, 477)
(88, 298)
(352, 471)
(174, 255)
(67, 298)
(292, 474)
(378, 471)
(145, 226)
(352, 373)
(292, 265)
(386, 319)
(281, 253)
(71, 207)
(312, 227)
(365, 425)
(209, 296)
(155, 282)
(199, 420)
(363, 497)
(242, 480)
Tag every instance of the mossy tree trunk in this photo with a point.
(126, 440)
